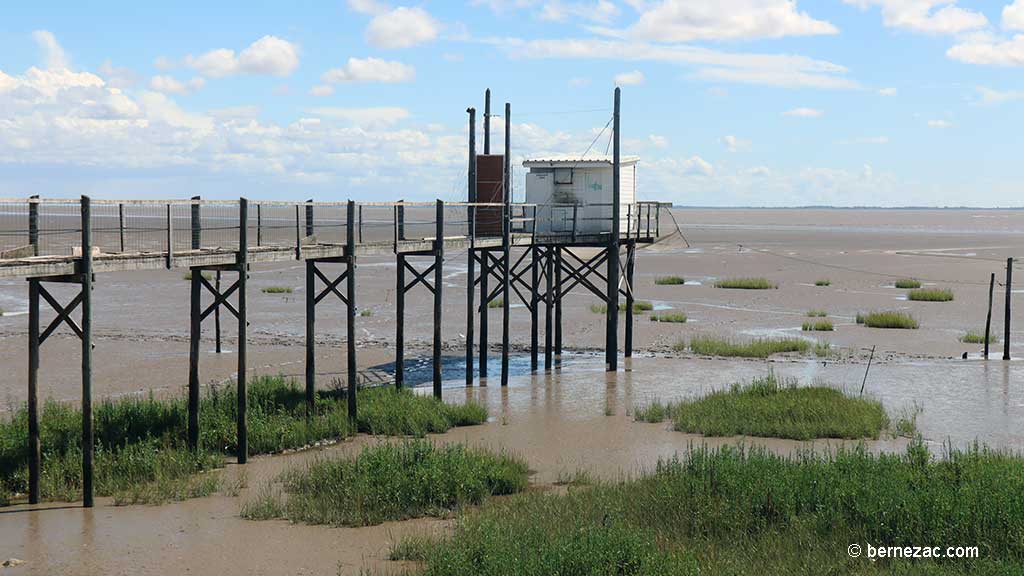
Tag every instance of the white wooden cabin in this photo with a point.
(562, 186)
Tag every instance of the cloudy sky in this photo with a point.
(727, 102)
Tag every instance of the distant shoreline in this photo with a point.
(949, 208)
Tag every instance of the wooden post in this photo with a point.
(216, 315)
(506, 245)
(1006, 321)
(350, 310)
(86, 278)
(196, 224)
(195, 332)
(298, 233)
(243, 273)
(867, 369)
(34, 449)
(534, 308)
(549, 273)
(259, 225)
(988, 317)
(438, 293)
(485, 272)
(360, 223)
(630, 297)
(612, 327)
(400, 321)
(470, 258)
(558, 302)
(487, 121)
(120, 224)
(309, 217)
(170, 238)
(310, 338)
(33, 224)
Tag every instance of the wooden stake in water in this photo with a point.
(865, 381)
(988, 317)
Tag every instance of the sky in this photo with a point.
(726, 102)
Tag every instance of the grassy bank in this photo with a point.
(758, 348)
(391, 481)
(769, 407)
(891, 319)
(140, 442)
(747, 512)
(746, 284)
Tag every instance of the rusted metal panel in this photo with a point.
(490, 189)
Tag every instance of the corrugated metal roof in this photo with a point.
(576, 160)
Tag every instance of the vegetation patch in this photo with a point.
(973, 337)
(908, 283)
(748, 512)
(893, 319)
(758, 348)
(639, 307)
(823, 282)
(670, 281)
(672, 317)
(496, 303)
(818, 326)
(746, 284)
(206, 275)
(276, 290)
(366, 312)
(930, 295)
(140, 442)
(817, 313)
(391, 481)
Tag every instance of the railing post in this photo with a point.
(259, 225)
(360, 223)
(350, 310)
(309, 218)
(86, 279)
(120, 224)
(33, 224)
(438, 293)
(170, 238)
(401, 220)
(575, 219)
(243, 274)
(197, 224)
(34, 449)
(298, 234)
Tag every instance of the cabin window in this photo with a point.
(563, 175)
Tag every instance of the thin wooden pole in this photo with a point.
(86, 278)
(350, 310)
(120, 224)
(216, 315)
(34, 448)
(487, 121)
(400, 321)
(170, 238)
(243, 273)
(485, 272)
(534, 308)
(309, 218)
(612, 327)
(259, 225)
(195, 332)
(988, 316)
(549, 272)
(438, 293)
(866, 370)
(470, 257)
(310, 338)
(33, 225)
(298, 233)
(506, 292)
(196, 224)
(1006, 320)
(558, 302)
(630, 297)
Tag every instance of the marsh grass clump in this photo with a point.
(670, 281)
(277, 290)
(758, 348)
(188, 276)
(391, 481)
(673, 317)
(908, 284)
(599, 308)
(972, 337)
(496, 303)
(141, 455)
(823, 282)
(748, 512)
(823, 349)
(746, 284)
(930, 295)
(817, 313)
(366, 312)
(893, 319)
(818, 326)
(639, 306)
(771, 407)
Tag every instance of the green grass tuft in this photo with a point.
(496, 303)
(639, 307)
(823, 282)
(930, 295)
(908, 283)
(972, 337)
(817, 313)
(391, 481)
(673, 317)
(748, 512)
(746, 284)
(758, 348)
(818, 326)
(888, 319)
(188, 276)
(670, 281)
(366, 312)
(276, 290)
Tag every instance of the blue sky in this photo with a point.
(727, 102)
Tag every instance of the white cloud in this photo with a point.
(735, 144)
(991, 96)
(598, 11)
(1013, 16)
(402, 28)
(987, 50)
(117, 76)
(866, 140)
(367, 6)
(888, 92)
(689, 20)
(926, 16)
(767, 69)
(171, 85)
(321, 90)
(940, 124)
(370, 70)
(629, 78)
(658, 141)
(804, 113)
(364, 117)
(269, 55)
(56, 58)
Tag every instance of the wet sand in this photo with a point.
(575, 418)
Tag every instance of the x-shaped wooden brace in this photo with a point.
(219, 298)
(63, 314)
(419, 278)
(331, 285)
(579, 275)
